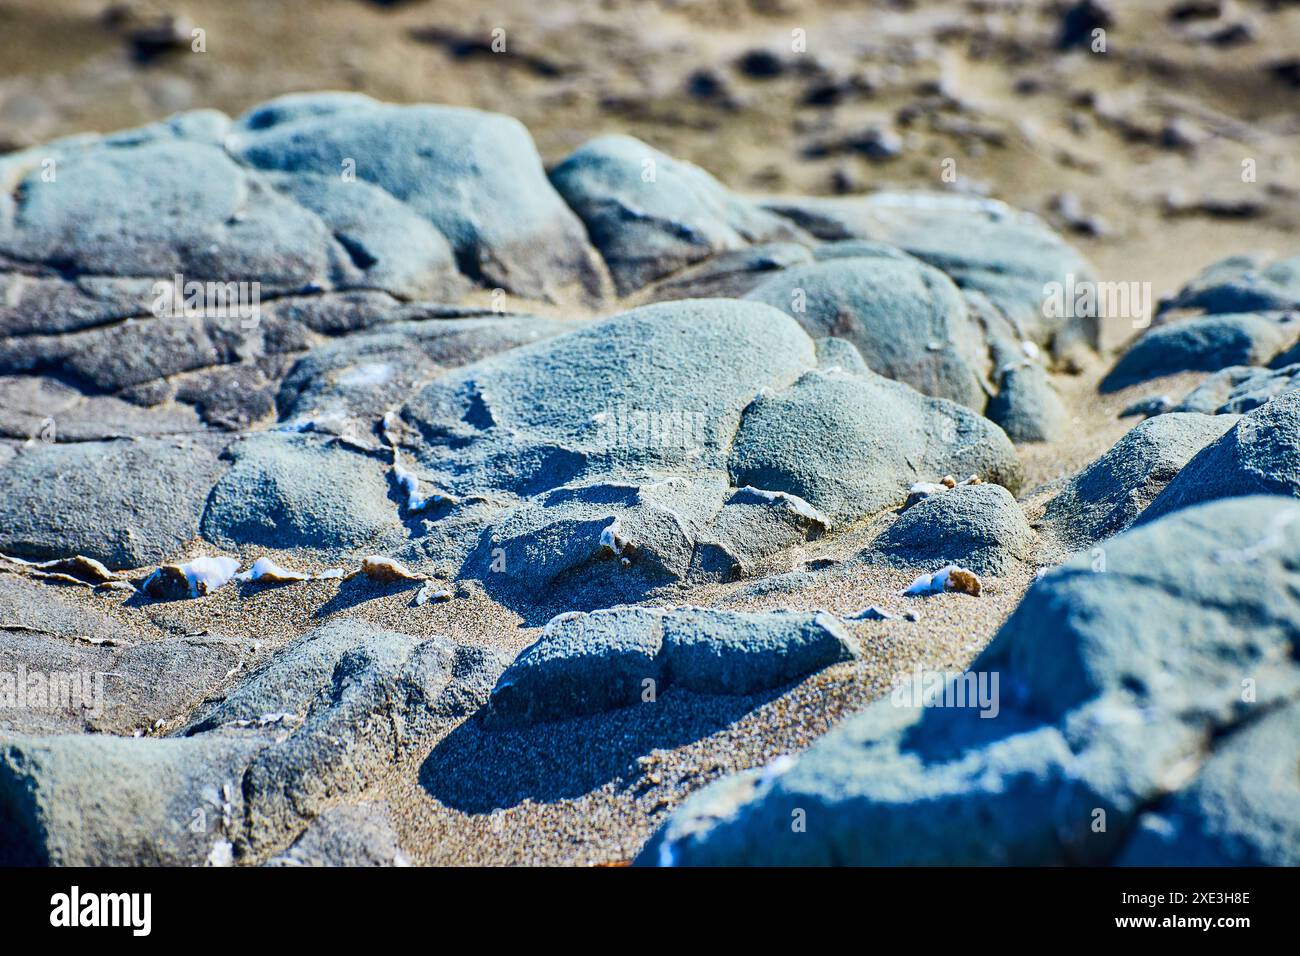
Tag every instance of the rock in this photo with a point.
(730, 275)
(650, 214)
(111, 801)
(1114, 688)
(302, 491)
(1239, 388)
(1216, 821)
(362, 376)
(1203, 344)
(852, 445)
(1258, 454)
(474, 176)
(977, 526)
(1027, 406)
(586, 663)
(907, 320)
(982, 244)
(348, 835)
(1241, 284)
(352, 697)
(115, 686)
(125, 503)
(29, 607)
(1106, 497)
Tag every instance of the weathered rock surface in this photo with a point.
(1242, 284)
(1118, 690)
(651, 215)
(907, 320)
(347, 835)
(1259, 454)
(1239, 389)
(1106, 497)
(586, 663)
(125, 503)
(981, 244)
(980, 527)
(1204, 344)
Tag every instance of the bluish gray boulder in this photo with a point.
(587, 663)
(125, 503)
(907, 319)
(982, 244)
(1239, 389)
(1258, 455)
(1241, 284)
(1026, 405)
(1241, 809)
(980, 527)
(651, 215)
(730, 275)
(475, 176)
(303, 491)
(1104, 694)
(1108, 495)
(1203, 344)
(98, 800)
(852, 445)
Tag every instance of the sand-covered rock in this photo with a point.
(586, 663)
(980, 527)
(1204, 344)
(125, 503)
(346, 835)
(1117, 689)
(339, 703)
(1259, 454)
(1108, 495)
(907, 320)
(1241, 284)
(651, 215)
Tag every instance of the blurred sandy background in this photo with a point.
(1136, 152)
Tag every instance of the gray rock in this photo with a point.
(1239, 389)
(125, 503)
(354, 697)
(907, 320)
(1027, 406)
(1108, 495)
(650, 214)
(730, 275)
(1241, 810)
(1203, 344)
(111, 801)
(349, 835)
(981, 244)
(1113, 687)
(30, 607)
(586, 663)
(1259, 454)
(303, 491)
(363, 375)
(980, 527)
(118, 689)
(851, 445)
(1241, 284)
(474, 176)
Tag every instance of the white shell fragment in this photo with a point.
(264, 569)
(430, 592)
(950, 578)
(200, 577)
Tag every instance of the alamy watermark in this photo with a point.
(676, 429)
(977, 690)
(1084, 298)
(56, 690)
(179, 299)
